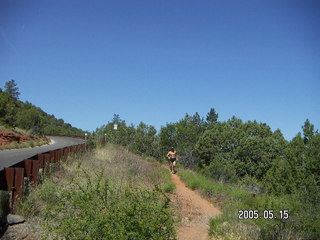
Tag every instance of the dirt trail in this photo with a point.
(194, 211)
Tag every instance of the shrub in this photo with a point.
(188, 159)
(168, 185)
(105, 211)
(78, 203)
(221, 171)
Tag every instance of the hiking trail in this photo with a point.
(194, 211)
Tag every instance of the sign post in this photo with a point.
(85, 143)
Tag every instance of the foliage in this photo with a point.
(279, 178)
(29, 118)
(212, 116)
(8, 108)
(141, 139)
(11, 89)
(217, 139)
(103, 211)
(221, 171)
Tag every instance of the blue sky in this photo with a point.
(154, 61)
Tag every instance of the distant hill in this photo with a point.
(15, 113)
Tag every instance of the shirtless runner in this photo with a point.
(172, 157)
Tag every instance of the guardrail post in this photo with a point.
(60, 154)
(35, 172)
(14, 179)
(69, 151)
(18, 184)
(47, 163)
(51, 154)
(9, 175)
(74, 151)
(28, 167)
(57, 159)
(41, 160)
(52, 160)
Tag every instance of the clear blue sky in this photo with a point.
(154, 61)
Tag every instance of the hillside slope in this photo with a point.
(10, 139)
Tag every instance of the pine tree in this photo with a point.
(12, 89)
(212, 116)
(308, 131)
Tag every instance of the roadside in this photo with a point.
(193, 210)
(122, 199)
(13, 139)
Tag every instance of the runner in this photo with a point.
(172, 157)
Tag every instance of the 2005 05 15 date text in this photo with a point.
(265, 214)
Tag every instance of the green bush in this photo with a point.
(221, 171)
(102, 210)
(168, 185)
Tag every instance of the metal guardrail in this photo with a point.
(32, 169)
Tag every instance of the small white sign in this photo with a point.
(115, 126)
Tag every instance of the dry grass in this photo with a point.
(115, 164)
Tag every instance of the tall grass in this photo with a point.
(108, 194)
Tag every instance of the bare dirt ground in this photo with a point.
(194, 211)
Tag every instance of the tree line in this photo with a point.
(235, 152)
(15, 113)
(228, 151)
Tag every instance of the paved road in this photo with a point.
(11, 157)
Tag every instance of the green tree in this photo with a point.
(167, 137)
(8, 109)
(12, 89)
(255, 155)
(221, 138)
(145, 141)
(235, 122)
(308, 131)
(280, 179)
(29, 119)
(188, 130)
(312, 164)
(253, 128)
(116, 119)
(212, 116)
